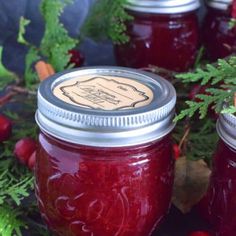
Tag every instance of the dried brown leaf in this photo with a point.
(191, 181)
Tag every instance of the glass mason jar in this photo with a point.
(104, 165)
(162, 33)
(219, 204)
(219, 38)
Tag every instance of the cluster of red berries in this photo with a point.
(25, 148)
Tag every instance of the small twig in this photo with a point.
(7, 97)
(19, 89)
(183, 139)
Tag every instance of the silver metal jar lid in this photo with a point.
(219, 4)
(106, 106)
(226, 128)
(163, 6)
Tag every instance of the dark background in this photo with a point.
(72, 18)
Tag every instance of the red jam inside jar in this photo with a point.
(219, 38)
(107, 171)
(219, 204)
(103, 191)
(169, 41)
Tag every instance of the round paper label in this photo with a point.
(104, 92)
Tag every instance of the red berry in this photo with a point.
(76, 58)
(31, 161)
(176, 151)
(199, 233)
(24, 148)
(5, 128)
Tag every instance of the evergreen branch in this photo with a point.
(23, 23)
(6, 76)
(108, 20)
(56, 42)
(202, 140)
(14, 188)
(224, 70)
(10, 224)
(54, 45)
(221, 83)
(30, 75)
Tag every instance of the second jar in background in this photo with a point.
(218, 206)
(219, 36)
(162, 33)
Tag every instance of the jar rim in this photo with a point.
(96, 127)
(163, 6)
(219, 4)
(226, 128)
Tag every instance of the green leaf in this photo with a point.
(6, 76)
(108, 20)
(10, 224)
(56, 42)
(16, 189)
(229, 110)
(30, 75)
(23, 23)
(220, 80)
(202, 140)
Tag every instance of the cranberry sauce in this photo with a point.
(89, 191)
(169, 41)
(219, 38)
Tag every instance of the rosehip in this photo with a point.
(31, 161)
(176, 151)
(24, 148)
(200, 233)
(77, 58)
(5, 128)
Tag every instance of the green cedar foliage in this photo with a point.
(221, 88)
(54, 45)
(10, 224)
(16, 181)
(6, 76)
(107, 20)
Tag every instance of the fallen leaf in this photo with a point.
(191, 182)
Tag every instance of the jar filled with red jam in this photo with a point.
(104, 164)
(219, 204)
(219, 36)
(162, 33)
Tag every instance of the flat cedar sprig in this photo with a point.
(10, 224)
(54, 45)
(220, 79)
